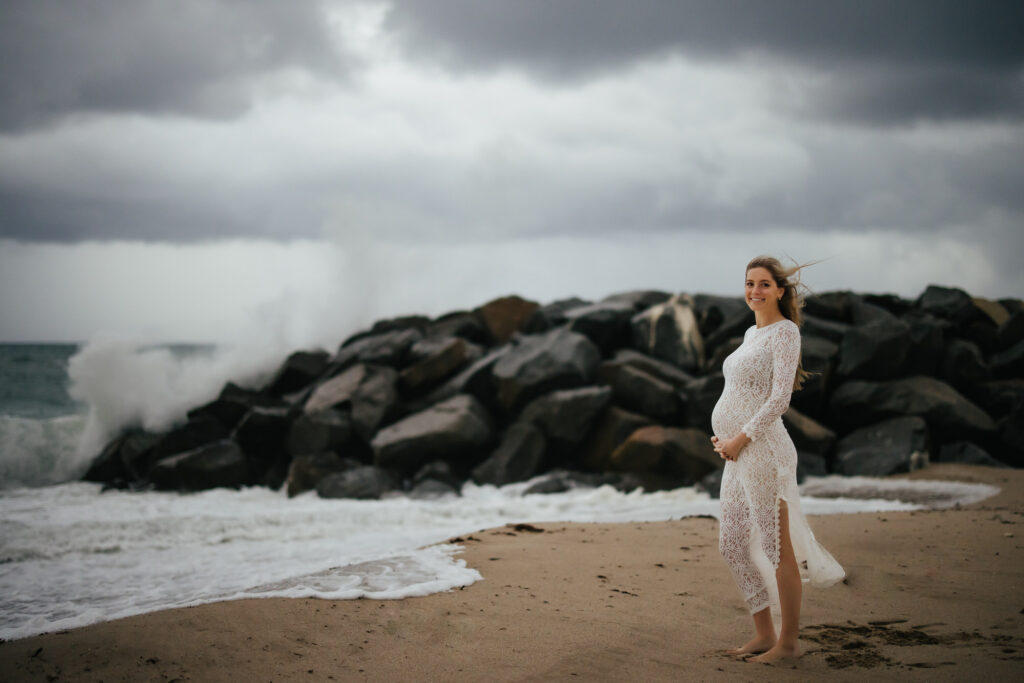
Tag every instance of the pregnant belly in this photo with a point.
(729, 415)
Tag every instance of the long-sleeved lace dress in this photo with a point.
(758, 385)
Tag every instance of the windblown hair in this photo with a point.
(787, 278)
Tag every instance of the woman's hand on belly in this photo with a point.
(729, 449)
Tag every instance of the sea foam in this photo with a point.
(71, 556)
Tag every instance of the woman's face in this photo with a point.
(762, 294)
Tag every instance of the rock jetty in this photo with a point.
(618, 391)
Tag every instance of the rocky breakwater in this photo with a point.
(617, 391)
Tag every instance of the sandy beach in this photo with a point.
(932, 595)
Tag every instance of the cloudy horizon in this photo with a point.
(210, 171)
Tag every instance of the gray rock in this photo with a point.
(517, 457)
(367, 390)
(306, 470)
(927, 341)
(567, 414)
(437, 359)
(669, 331)
(364, 482)
(663, 370)
(221, 463)
(458, 324)
(1008, 363)
(299, 370)
(636, 390)
(429, 489)
(613, 426)
(438, 470)
(808, 434)
(455, 429)
(261, 435)
(962, 364)
(640, 299)
(810, 465)
(687, 454)
(830, 305)
(969, 453)
(552, 315)
(194, 433)
(477, 379)
(389, 348)
(949, 415)
(875, 350)
(605, 323)
(824, 328)
(538, 364)
(701, 396)
(316, 432)
(898, 445)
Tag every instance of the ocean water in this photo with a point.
(72, 555)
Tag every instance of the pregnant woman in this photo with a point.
(762, 530)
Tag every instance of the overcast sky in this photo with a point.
(212, 170)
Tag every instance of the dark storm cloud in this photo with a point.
(893, 61)
(149, 56)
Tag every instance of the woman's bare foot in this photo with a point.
(778, 653)
(755, 646)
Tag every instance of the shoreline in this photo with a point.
(929, 595)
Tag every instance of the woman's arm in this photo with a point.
(785, 347)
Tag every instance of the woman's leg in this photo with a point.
(735, 528)
(790, 593)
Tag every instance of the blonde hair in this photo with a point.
(792, 300)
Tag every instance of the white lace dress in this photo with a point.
(758, 384)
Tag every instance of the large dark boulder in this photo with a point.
(476, 379)
(731, 328)
(459, 324)
(212, 465)
(713, 312)
(701, 397)
(669, 331)
(306, 470)
(876, 349)
(824, 328)
(927, 342)
(261, 435)
(298, 371)
(323, 430)
(684, 454)
(364, 482)
(613, 426)
(435, 360)
(456, 429)
(969, 453)
(567, 415)
(1008, 363)
(1011, 331)
(950, 416)
(808, 435)
(962, 364)
(830, 305)
(505, 316)
(232, 404)
(606, 324)
(440, 471)
(640, 299)
(391, 349)
(552, 315)
(950, 303)
(559, 359)
(636, 390)
(196, 432)
(367, 391)
(517, 458)
(819, 357)
(889, 447)
(665, 371)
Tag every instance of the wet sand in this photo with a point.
(932, 595)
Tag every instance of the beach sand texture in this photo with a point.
(931, 595)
